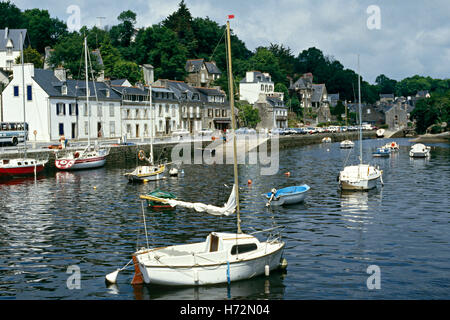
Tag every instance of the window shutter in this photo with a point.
(64, 109)
(57, 109)
(76, 109)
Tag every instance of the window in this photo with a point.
(29, 93)
(111, 109)
(129, 129)
(160, 110)
(86, 127)
(99, 110)
(262, 87)
(243, 248)
(60, 109)
(9, 51)
(112, 129)
(210, 113)
(72, 109)
(61, 129)
(16, 91)
(9, 64)
(64, 90)
(217, 112)
(224, 113)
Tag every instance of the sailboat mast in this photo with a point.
(152, 121)
(23, 96)
(233, 124)
(360, 115)
(87, 91)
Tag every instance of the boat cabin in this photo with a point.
(233, 243)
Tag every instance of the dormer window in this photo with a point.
(64, 89)
(108, 94)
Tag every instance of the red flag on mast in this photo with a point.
(231, 16)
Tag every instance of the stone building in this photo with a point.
(201, 73)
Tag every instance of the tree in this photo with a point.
(31, 55)
(43, 30)
(431, 111)
(280, 87)
(168, 55)
(110, 56)
(11, 16)
(385, 85)
(122, 33)
(248, 115)
(69, 53)
(265, 61)
(180, 22)
(127, 70)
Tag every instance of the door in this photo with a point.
(167, 126)
(137, 131)
(74, 130)
(99, 129)
(61, 129)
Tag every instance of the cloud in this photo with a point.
(414, 37)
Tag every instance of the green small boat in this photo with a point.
(158, 194)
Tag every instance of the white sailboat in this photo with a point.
(152, 171)
(22, 166)
(361, 176)
(222, 257)
(88, 157)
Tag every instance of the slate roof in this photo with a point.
(179, 87)
(275, 102)
(387, 95)
(303, 82)
(317, 93)
(198, 63)
(118, 82)
(257, 77)
(333, 96)
(75, 88)
(14, 35)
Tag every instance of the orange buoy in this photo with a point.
(287, 173)
(249, 181)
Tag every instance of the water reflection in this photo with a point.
(261, 287)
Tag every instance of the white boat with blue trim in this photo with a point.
(288, 195)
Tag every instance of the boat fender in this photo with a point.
(267, 270)
(141, 155)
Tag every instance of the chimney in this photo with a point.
(249, 76)
(6, 33)
(148, 74)
(60, 73)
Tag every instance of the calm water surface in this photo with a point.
(62, 220)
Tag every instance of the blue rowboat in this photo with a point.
(288, 195)
(382, 152)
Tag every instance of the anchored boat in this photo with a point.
(382, 152)
(361, 176)
(289, 195)
(419, 150)
(347, 144)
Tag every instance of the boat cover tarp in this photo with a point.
(226, 210)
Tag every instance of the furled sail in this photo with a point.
(226, 210)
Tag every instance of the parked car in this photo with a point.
(311, 130)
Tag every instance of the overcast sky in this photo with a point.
(413, 36)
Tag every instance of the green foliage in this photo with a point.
(31, 55)
(280, 87)
(265, 61)
(248, 115)
(69, 52)
(127, 70)
(11, 16)
(42, 29)
(431, 111)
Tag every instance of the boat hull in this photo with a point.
(146, 173)
(21, 171)
(359, 185)
(89, 163)
(196, 275)
(18, 168)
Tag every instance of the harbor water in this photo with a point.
(88, 223)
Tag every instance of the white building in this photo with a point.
(141, 121)
(10, 46)
(56, 106)
(254, 84)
